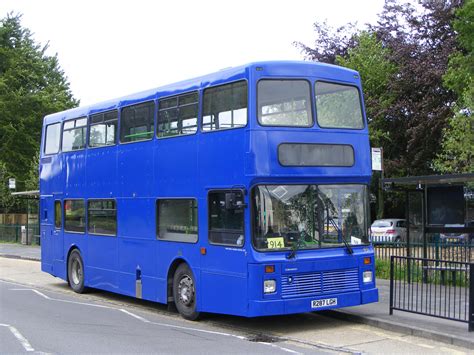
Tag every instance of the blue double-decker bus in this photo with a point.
(242, 192)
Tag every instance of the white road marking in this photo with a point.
(23, 341)
(134, 315)
(425, 346)
(150, 322)
(59, 300)
(279, 347)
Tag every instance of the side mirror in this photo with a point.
(230, 200)
(234, 201)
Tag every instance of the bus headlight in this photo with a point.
(269, 286)
(367, 276)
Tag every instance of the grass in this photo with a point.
(382, 271)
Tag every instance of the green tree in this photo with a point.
(457, 147)
(413, 106)
(460, 74)
(457, 153)
(32, 85)
(7, 201)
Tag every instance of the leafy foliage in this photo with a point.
(401, 60)
(460, 74)
(7, 201)
(457, 153)
(32, 85)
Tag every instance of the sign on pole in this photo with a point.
(377, 159)
(12, 184)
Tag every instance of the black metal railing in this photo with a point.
(432, 287)
(434, 248)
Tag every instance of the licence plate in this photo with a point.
(324, 303)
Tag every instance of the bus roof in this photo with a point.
(275, 68)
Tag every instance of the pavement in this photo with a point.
(374, 314)
(20, 251)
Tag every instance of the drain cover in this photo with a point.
(262, 338)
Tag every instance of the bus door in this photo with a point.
(224, 266)
(46, 225)
(58, 239)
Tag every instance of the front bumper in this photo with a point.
(302, 305)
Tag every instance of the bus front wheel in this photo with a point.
(75, 271)
(184, 292)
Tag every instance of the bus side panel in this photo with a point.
(176, 168)
(51, 182)
(135, 166)
(75, 174)
(46, 220)
(102, 262)
(137, 254)
(102, 172)
(137, 263)
(224, 281)
(103, 250)
(223, 268)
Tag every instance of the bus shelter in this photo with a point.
(434, 275)
(439, 210)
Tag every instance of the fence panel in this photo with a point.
(462, 250)
(10, 233)
(437, 288)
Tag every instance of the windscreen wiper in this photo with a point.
(339, 232)
(294, 247)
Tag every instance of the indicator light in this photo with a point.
(269, 269)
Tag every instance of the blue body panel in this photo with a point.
(228, 279)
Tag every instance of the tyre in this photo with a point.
(184, 292)
(75, 272)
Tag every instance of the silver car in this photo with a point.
(388, 230)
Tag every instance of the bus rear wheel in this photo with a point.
(75, 272)
(184, 292)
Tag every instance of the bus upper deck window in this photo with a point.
(53, 134)
(284, 103)
(225, 107)
(177, 115)
(103, 129)
(137, 123)
(74, 134)
(338, 106)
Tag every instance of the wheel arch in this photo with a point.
(169, 278)
(71, 249)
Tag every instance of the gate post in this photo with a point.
(471, 297)
(391, 284)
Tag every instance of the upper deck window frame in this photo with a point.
(201, 113)
(178, 108)
(311, 101)
(66, 128)
(103, 121)
(121, 120)
(362, 113)
(58, 139)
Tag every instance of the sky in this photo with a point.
(110, 49)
